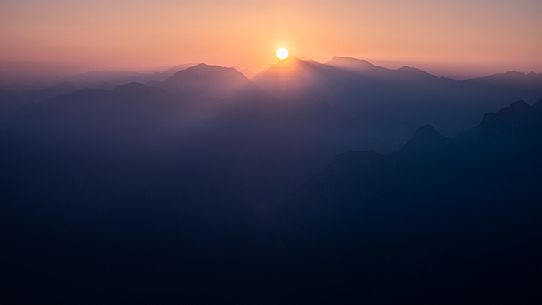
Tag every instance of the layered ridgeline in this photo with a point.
(387, 105)
(342, 105)
(415, 221)
(206, 172)
(439, 209)
(479, 184)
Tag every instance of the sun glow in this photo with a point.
(282, 53)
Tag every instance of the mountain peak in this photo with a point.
(513, 76)
(517, 114)
(426, 138)
(350, 63)
(518, 106)
(409, 69)
(513, 73)
(291, 75)
(205, 77)
(516, 110)
(427, 132)
(205, 68)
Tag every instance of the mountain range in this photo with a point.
(371, 107)
(311, 183)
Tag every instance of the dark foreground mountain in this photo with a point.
(503, 150)
(467, 210)
(443, 220)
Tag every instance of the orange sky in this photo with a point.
(460, 36)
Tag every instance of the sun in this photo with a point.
(282, 53)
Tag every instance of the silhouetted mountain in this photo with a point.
(387, 102)
(415, 71)
(352, 63)
(512, 79)
(297, 79)
(453, 199)
(519, 113)
(425, 140)
(363, 66)
(377, 108)
(205, 79)
(504, 146)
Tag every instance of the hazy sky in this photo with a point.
(469, 35)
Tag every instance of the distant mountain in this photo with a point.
(339, 69)
(368, 69)
(88, 80)
(206, 79)
(394, 100)
(415, 71)
(299, 79)
(425, 140)
(519, 112)
(351, 63)
(511, 129)
(512, 79)
(350, 103)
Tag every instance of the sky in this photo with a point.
(459, 37)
